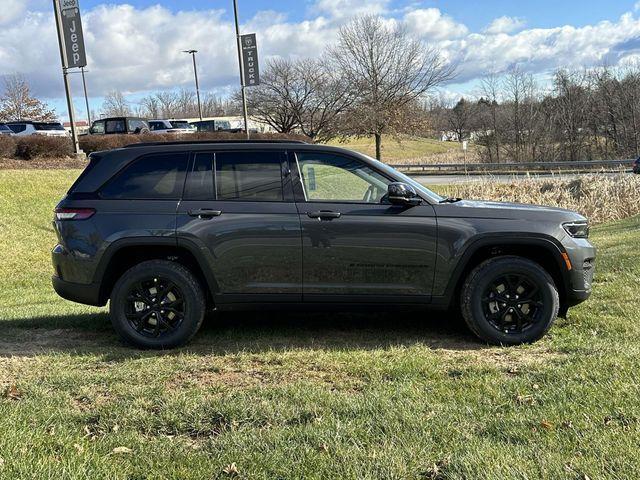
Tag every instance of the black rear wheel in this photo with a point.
(509, 300)
(157, 304)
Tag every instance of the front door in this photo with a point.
(356, 245)
(238, 209)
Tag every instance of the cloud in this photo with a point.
(137, 50)
(505, 25)
(338, 9)
(11, 10)
(431, 23)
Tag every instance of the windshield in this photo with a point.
(48, 126)
(407, 179)
(180, 124)
(4, 128)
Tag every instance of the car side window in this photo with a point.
(199, 184)
(116, 126)
(98, 127)
(152, 177)
(249, 176)
(18, 128)
(328, 177)
(156, 125)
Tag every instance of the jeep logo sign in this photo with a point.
(250, 60)
(75, 55)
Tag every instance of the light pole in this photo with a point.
(195, 73)
(86, 97)
(242, 85)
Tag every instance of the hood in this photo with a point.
(507, 210)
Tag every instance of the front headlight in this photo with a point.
(577, 229)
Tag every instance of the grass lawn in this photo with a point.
(394, 151)
(309, 396)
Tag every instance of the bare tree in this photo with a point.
(322, 98)
(275, 100)
(17, 103)
(115, 105)
(387, 70)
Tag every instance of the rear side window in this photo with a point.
(249, 176)
(17, 128)
(116, 126)
(152, 177)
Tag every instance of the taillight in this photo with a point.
(74, 213)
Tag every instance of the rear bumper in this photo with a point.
(76, 292)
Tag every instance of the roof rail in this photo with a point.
(205, 142)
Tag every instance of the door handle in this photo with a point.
(204, 213)
(324, 214)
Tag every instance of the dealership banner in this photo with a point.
(250, 60)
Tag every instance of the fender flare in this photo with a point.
(549, 243)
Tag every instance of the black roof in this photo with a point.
(206, 142)
(31, 122)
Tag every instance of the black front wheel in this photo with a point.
(509, 300)
(157, 304)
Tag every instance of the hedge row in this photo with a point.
(27, 148)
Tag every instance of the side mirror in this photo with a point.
(400, 193)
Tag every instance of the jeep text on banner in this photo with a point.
(75, 56)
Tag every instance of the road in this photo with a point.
(451, 179)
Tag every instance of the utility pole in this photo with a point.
(195, 73)
(242, 85)
(86, 97)
(65, 75)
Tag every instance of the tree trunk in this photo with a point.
(378, 138)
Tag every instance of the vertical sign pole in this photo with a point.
(65, 74)
(86, 97)
(242, 85)
(195, 71)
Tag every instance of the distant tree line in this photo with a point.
(584, 115)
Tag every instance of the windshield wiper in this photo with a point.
(450, 200)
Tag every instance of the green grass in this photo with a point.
(309, 396)
(395, 151)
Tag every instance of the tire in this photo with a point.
(509, 300)
(149, 321)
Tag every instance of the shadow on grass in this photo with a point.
(228, 333)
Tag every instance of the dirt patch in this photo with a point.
(33, 342)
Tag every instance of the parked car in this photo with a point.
(28, 127)
(119, 125)
(166, 231)
(215, 126)
(4, 130)
(636, 166)
(178, 127)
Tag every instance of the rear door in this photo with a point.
(357, 247)
(238, 209)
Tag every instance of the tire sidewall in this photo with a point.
(192, 297)
(487, 274)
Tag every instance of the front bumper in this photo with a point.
(580, 278)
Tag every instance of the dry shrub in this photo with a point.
(36, 146)
(7, 146)
(599, 197)
(94, 143)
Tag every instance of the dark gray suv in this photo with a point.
(167, 231)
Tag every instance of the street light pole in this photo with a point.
(86, 96)
(242, 85)
(195, 73)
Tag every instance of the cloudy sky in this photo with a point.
(135, 45)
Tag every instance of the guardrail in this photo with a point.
(514, 168)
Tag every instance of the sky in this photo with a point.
(135, 45)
